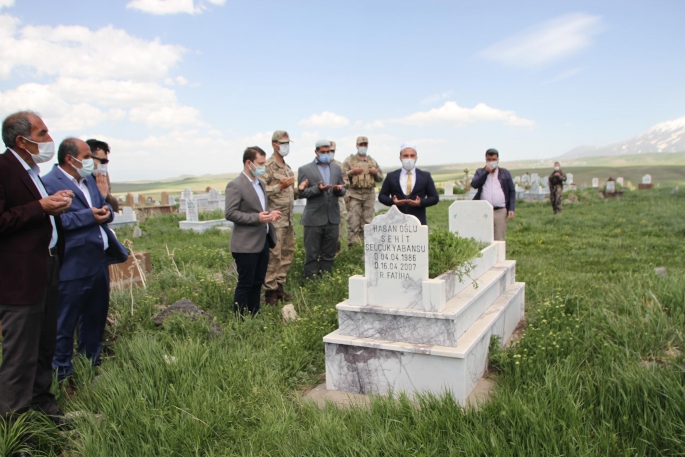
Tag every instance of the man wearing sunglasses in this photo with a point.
(100, 153)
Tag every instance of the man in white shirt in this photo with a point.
(90, 248)
(496, 186)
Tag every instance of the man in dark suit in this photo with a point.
(90, 248)
(321, 183)
(31, 246)
(495, 185)
(253, 234)
(100, 151)
(409, 188)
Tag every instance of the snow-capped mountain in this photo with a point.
(668, 136)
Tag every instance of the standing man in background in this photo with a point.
(253, 234)
(556, 187)
(321, 183)
(495, 185)
(90, 248)
(363, 173)
(100, 153)
(410, 189)
(341, 202)
(31, 246)
(279, 179)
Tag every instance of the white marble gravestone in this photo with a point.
(517, 180)
(569, 178)
(535, 177)
(647, 179)
(619, 181)
(610, 187)
(525, 179)
(172, 200)
(449, 188)
(191, 211)
(595, 182)
(472, 219)
(535, 187)
(396, 259)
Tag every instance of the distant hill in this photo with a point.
(666, 136)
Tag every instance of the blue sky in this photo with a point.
(183, 86)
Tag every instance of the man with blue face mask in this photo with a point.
(322, 184)
(495, 185)
(90, 248)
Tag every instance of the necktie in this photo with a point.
(408, 183)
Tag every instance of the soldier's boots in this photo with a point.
(282, 294)
(271, 297)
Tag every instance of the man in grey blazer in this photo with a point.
(253, 234)
(321, 183)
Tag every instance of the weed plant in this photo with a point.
(597, 371)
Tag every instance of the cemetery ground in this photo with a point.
(597, 370)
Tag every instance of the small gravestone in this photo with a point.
(610, 187)
(517, 180)
(449, 188)
(619, 181)
(472, 219)
(647, 179)
(165, 198)
(149, 201)
(525, 179)
(172, 200)
(569, 178)
(396, 259)
(583, 186)
(130, 201)
(535, 187)
(187, 193)
(213, 200)
(137, 232)
(191, 211)
(141, 200)
(128, 213)
(595, 182)
(535, 177)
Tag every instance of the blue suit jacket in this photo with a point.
(83, 253)
(508, 186)
(424, 187)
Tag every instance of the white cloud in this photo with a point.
(163, 7)
(452, 113)
(6, 3)
(547, 42)
(326, 119)
(166, 116)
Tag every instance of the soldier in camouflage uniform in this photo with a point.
(556, 187)
(342, 199)
(279, 179)
(362, 173)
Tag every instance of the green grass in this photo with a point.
(597, 371)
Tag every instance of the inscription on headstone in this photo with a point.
(472, 219)
(191, 211)
(610, 187)
(396, 260)
(647, 179)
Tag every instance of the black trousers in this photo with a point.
(320, 244)
(29, 334)
(251, 273)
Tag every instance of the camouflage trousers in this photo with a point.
(359, 213)
(280, 258)
(555, 193)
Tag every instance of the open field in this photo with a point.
(597, 371)
(667, 169)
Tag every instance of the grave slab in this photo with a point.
(472, 219)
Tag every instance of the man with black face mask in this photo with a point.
(31, 248)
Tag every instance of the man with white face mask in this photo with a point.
(495, 185)
(90, 248)
(279, 179)
(31, 248)
(100, 151)
(410, 189)
(556, 187)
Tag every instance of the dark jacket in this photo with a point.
(322, 207)
(557, 181)
(25, 233)
(505, 181)
(82, 234)
(424, 187)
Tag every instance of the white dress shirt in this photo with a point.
(260, 194)
(83, 186)
(34, 173)
(492, 190)
(403, 180)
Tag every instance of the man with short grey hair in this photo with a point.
(321, 183)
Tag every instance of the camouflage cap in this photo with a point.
(280, 136)
(362, 139)
(332, 144)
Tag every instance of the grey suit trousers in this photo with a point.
(320, 243)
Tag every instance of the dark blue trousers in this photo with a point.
(251, 273)
(83, 302)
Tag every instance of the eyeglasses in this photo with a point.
(102, 161)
